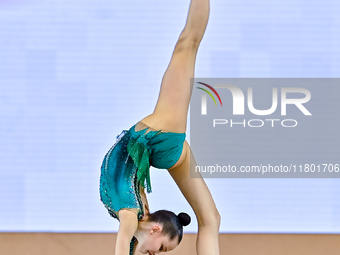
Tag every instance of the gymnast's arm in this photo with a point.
(197, 20)
(127, 228)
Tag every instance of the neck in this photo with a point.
(143, 227)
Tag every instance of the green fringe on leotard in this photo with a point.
(141, 157)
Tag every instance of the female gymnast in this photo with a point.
(159, 140)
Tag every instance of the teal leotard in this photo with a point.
(126, 166)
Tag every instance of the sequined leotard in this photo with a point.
(126, 166)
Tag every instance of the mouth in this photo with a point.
(150, 253)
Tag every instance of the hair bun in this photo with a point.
(184, 218)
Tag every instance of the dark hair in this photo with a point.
(172, 223)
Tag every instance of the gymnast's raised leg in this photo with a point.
(170, 114)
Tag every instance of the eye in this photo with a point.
(160, 249)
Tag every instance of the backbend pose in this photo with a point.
(159, 140)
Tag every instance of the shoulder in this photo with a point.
(128, 220)
(128, 213)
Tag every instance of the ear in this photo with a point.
(156, 229)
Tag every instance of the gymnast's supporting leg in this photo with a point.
(198, 195)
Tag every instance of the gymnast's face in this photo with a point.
(156, 242)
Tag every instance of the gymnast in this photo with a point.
(158, 140)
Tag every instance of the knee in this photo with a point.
(218, 218)
(212, 218)
(186, 43)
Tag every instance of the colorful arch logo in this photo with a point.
(218, 96)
